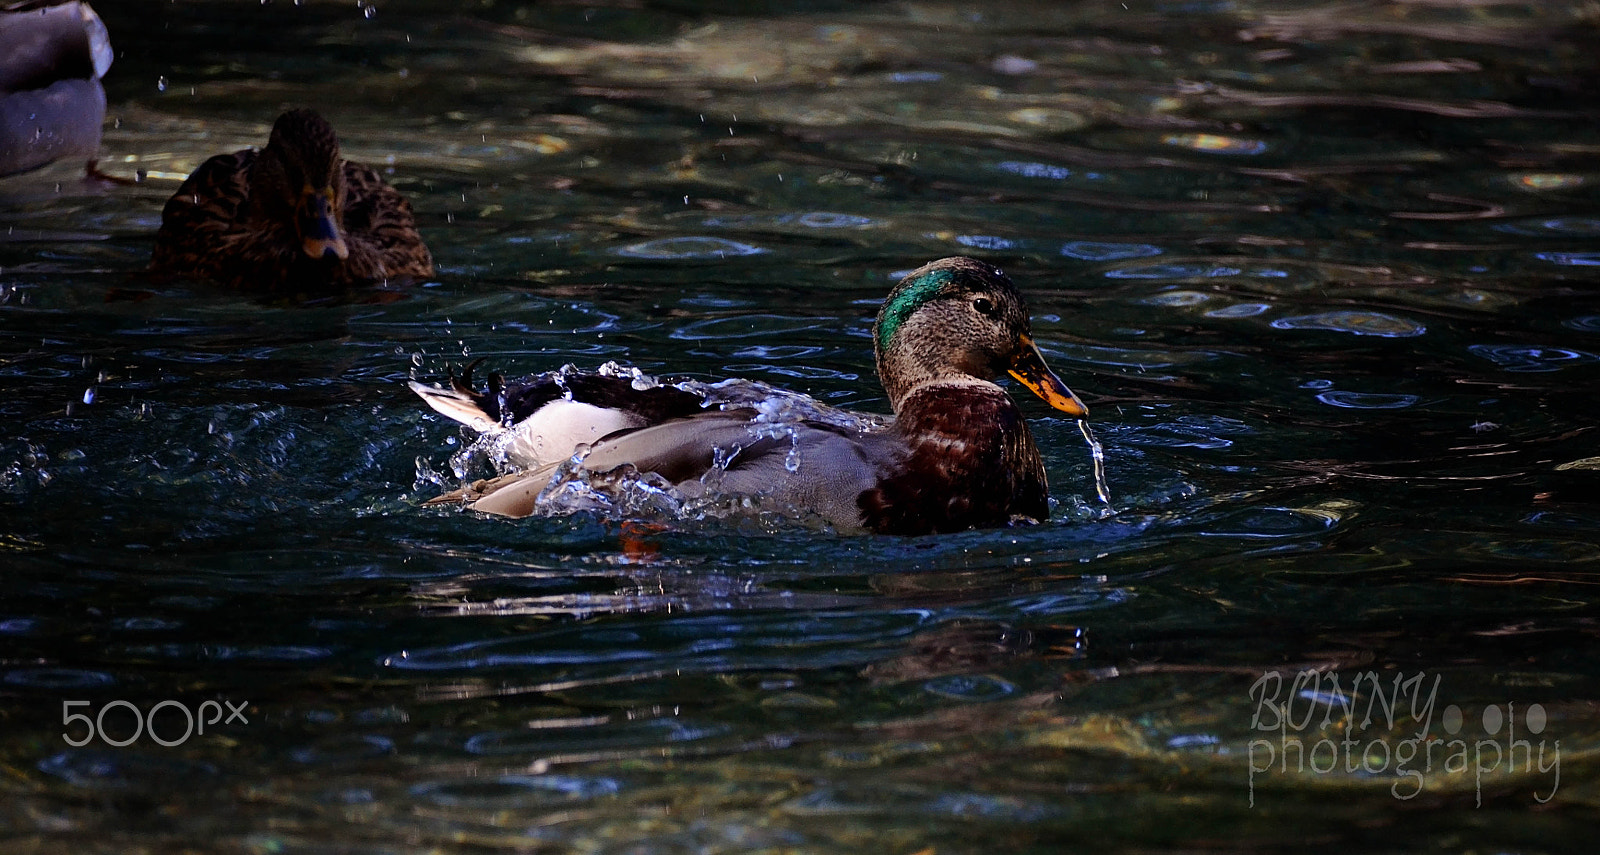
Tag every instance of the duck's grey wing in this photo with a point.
(820, 471)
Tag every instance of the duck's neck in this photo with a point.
(970, 461)
(926, 398)
(907, 378)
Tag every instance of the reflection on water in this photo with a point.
(1323, 272)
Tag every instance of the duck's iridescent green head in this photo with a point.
(913, 293)
(959, 318)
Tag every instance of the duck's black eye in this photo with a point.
(984, 305)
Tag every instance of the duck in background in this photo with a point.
(957, 455)
(52, 56)
(293, 217)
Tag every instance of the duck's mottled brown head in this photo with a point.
(299, 177)
(959, 318)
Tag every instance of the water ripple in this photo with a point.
(1088, 250)
(513, 791)
(606, 737)
(991, 242)
(1239, 310)
(969, 687)
(1271, 522)
(1573, 226)
(1570, 259)
(1172, 271)
(803, 372)
(1143, 360)
(1367, 400)
(775, 351)
(1217, 143)
(19, 626)
(1034, 170)
(1530, 357)
(1354, 321)
(988, 806)
(688, 248)
(831, 220)
(744, 326)
(59, 678)
(774, 640)
(1189, 432)
(807, 219)
(96, 769)
(231, 652)
(1177, 298)
(342, 749)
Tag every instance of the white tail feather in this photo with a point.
(458, 406)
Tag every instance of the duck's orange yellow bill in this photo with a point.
(1029, 369)
(319, 228)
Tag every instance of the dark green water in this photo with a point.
(1326, 275)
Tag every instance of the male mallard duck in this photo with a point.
(52, 56)
(957, 455)
(293, 216)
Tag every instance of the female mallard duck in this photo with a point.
(292, 217)
(957, 455)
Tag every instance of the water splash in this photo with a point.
(1097, 454)
(776, 405)
(636, 378)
